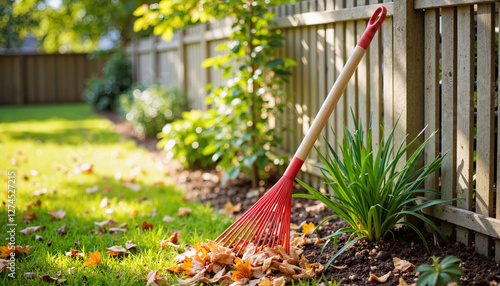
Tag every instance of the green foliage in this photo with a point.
(369, 191)
(75, 25)
(440, 274)
(10, 25)
(149, 109)
(314, 282)
(246, 102)
(102, 93)
(190, 139)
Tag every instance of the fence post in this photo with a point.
(408, 71)
(134, 60)
(154, 57)
(204, 71)
(182, 61)
(408, 67)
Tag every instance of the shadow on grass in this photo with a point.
(68, 112)
(69, 136)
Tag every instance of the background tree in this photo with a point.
(244, 138)
(75, 25)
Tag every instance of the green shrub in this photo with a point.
(149, 109)
(439, 273)
(190, 139)
(102, 92)
(369, 192)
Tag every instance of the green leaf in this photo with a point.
(249, 160)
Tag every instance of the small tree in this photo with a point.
(254, 78)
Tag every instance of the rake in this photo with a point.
(267, 222)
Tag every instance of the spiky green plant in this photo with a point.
(370, 192)
(439, 273)
(315, 281)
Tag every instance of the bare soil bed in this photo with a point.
(356, 263)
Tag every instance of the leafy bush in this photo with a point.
(369, 193)
(103, 92)
(190, 139)
(148, 110)
(439, 273)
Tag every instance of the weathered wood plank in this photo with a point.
(362, 80)
(429, 4)
(375, 85)
(432, 100)
(388, 76)
(340, 59)
(449, 109)
(485, 117)
(351, 13)
(465, 118)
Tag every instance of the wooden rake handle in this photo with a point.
(340, 84)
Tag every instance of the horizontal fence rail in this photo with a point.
(420, 69)
(45, 78)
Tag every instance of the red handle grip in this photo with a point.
(372, 27)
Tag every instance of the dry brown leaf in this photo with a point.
(339, 267)
(168, 218)
(116, 250)
(86, 168)
(57, 215)
(265, 282)
(402, 282)
(95, 259)
(230, 209)
(3, 264)
(381, 279)
(107, 189)
(38, 193)
(71, 270)
(38, 237)
(402, 265)
(104, 202)
(243, 269)
(123, 225)
(308, 228)
(129, 245)
(47, 278)
(117, 230)
(36, 203)
(146, 225)
(134, 212)
(62, 230)
(281, 281)
(132, 186)
(28, 216)
(31, 229)
(108, 222)
(26, 249)
(154, 278)
(7, 250)
(183, 212)
(92, 190)
(75, 253)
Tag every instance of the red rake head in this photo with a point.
(267, 223)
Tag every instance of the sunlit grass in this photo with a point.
(56, 140)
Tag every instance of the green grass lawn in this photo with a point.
(54, 141)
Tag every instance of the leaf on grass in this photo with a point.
(154, 278)
(153, 212)
(62, 230)
(230, 209)
(38, 193)
(7, 250)
(28, 216)
(381, 279)
(36, 203)
(92, 190)
(134, 212)
(117, 230)
(116, 250)
(402, 265)
(29, 275)
(108, 222)
(75, 253)
(308, 228)
(26, 249)
(243, 269)
(171, 241)
(107, 189)
(130, 245)
(47, 278)
(104, 203)
(38, 237)
(31, 229)
(183, 212)
(168, 218)
(57, 215)
(86, 168)
(3, 264)
(71, 270)
(95, 259)
(146, 225)
(132, 186)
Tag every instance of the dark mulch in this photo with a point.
(361, 259)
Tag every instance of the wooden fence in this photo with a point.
(420, 68)
(45, 78)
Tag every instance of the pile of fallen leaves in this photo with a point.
(211, 263)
